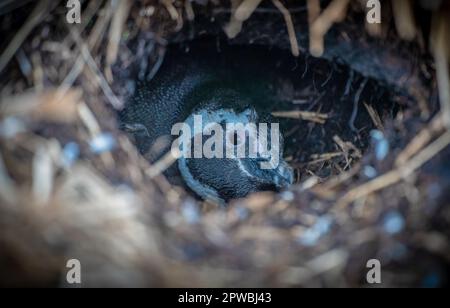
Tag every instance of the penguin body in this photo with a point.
(180, 91)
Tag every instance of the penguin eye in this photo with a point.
(235, 139)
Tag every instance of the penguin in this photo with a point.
(184, 88)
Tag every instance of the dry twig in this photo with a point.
(234, 26)
(397, 174)
(38, 14)
(115, 32)
(112, 98)
(316, 117)
(290, 27)
(335, 12)
(421, 140)
(313, 10)
(374, 116)
(189, 10)
(161, 165)
(246, 9)
(441, 51)
(404, 19)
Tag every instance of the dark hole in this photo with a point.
(331, 101)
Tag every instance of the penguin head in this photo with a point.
(251, 160)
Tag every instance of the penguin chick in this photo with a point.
(175, 95)
(225, 178)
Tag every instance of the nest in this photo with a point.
(73, 186)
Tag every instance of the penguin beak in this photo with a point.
(283, 175)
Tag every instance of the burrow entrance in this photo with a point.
(326, 110)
